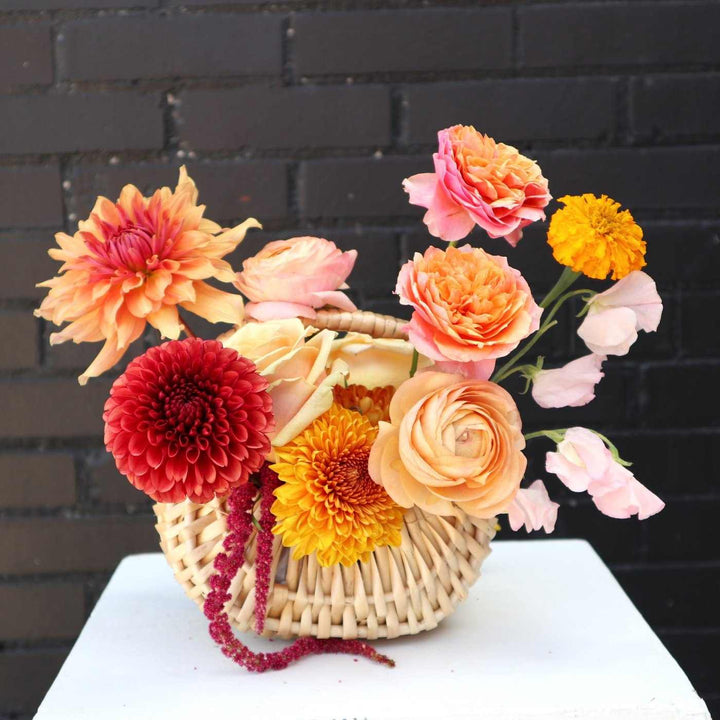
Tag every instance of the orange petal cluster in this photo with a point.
(133, 262)
(327, 504)
(373, 403)
(469, 306)
(450, 442)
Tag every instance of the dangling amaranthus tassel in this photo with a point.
(227, 564)
(263, 545)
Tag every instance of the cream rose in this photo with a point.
(375, 362)
(301, 385)
(450, 441)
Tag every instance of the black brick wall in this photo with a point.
(308, 114)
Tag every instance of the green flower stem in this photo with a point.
(414, 364)
(566, 279)
(547, 323)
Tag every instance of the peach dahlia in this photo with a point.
(134, 262)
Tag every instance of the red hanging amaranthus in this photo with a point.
(228, 563)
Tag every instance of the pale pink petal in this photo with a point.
(333, 298)
(638, 292)
(515, 236)
(609, 331)
(581, 459)
(263, 311)
(420, 188)
(572, 385)
(447, 220)
(631, 498)
(533, 508)
(480, 370)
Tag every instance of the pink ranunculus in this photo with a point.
(478, 182)
(615, 316)
(572, 385)
(295, 277)
(584, 463)
(533, 508)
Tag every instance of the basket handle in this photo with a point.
(361, 321)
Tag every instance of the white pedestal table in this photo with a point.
(546, 633)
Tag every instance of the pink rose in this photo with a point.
(572, 385)
(292, 278)
(470, 308)
(584, 463)
(478, 182)
(615, 316)
(533, 508)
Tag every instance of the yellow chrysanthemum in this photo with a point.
(327, 502)
(591, 236)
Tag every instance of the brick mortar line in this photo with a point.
(246, 154)
(233, 82)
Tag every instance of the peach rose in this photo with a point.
(301, 386)
(478, 182)
(469, 306)
(450, 441)
(293, 278)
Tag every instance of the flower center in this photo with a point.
(188, 412)
(602, 219)
(348, 481)
(132, 248)
(469, 443)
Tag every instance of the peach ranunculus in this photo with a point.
(533, 508)
(470, 307)
(295, 277)
(375, 362)
(615, 316)
(301, 386)
(450, 442)
(133, 262)
(478, 182)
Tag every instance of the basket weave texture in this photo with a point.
(398, 591)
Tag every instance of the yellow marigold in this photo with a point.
(591, 236)
(133, 262)
(327, 503)
(373, 403)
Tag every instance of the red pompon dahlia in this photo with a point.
(188, 419)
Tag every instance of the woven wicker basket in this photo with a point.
(399, 591)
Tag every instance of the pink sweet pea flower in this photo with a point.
(584, 463)
(478, 182)
(626, 496)
(533, 508)
(615, 316)
(292, 278)
(572, 385)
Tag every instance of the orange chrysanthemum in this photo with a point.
(327, 502)
(373, 403)
(591, 236)
(133, 262)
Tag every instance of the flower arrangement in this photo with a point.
(329, 442)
